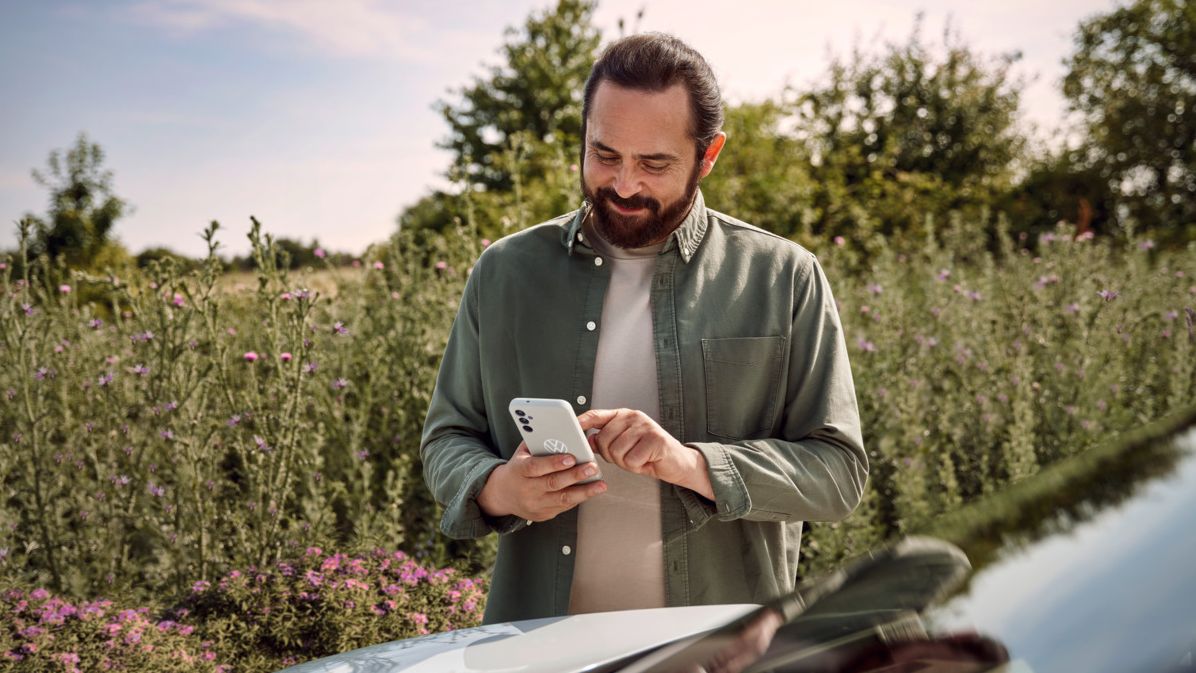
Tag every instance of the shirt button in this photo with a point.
(581, 399)
(591, 325)
(581, 236)
(597, 261)
(566, 550)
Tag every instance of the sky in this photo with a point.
(318, 118)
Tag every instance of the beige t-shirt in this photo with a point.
(620, 558)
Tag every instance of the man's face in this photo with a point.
(639, 167)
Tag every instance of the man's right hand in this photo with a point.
(538, 488)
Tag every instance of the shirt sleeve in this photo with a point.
(455, 448)
(816, 469)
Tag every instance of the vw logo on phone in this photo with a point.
(555, 446)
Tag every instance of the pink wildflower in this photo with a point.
(65, 289)
(441, 265)
(250, 356)
(378, 266)
(319, 252)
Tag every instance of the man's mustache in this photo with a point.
(630, 203)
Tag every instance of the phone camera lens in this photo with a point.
(527, 428)
(519, 412)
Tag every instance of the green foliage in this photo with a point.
(891, 137)
(198, 430)
(763, 174)
(83, 209)
(975, 369)
(529, 104)
(1132, 80)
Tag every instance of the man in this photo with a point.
(707, 354)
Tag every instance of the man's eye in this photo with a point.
(655, 168)
(607, 160)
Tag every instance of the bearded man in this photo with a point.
(707, 354)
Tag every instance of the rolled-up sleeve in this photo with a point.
(816, 469)
(455, 448)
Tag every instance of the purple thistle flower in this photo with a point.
(865, 345)
(104, 379)
(339, 384)
(1148, 244)
(140, 369)
(40, 374)
(1108, 295)
(27, 309)
(120, 480)
(1072, 308)
(310, 368)
(166, 434)
(261, 444)
(250, 356)
(362, 454)
(236, 419)
(155, 490)
(170, 406)
(339, 329)
(875, 288)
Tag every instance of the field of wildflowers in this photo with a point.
(169, 441)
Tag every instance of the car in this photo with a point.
(1089, 566)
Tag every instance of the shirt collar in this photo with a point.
(686, 237)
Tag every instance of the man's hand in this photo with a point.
(633, 441)
(537, 488)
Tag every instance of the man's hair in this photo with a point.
(654, 62)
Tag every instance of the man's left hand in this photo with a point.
(631, 440)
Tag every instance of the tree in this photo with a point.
(533, 98)
(83, 208)
(896, 136)
(1132, 81)
(763, 174)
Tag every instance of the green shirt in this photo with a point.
(752, 370)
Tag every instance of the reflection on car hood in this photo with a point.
(1106, 582)
(557, 645)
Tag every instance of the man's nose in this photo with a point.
(627, 181)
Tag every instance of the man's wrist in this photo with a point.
(489, 498)
(697, 475)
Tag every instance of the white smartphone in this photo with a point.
(550, 427)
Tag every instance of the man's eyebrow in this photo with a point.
(658, 156)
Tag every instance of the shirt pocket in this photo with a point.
(742, 377)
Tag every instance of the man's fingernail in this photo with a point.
(591, 470)
(567, 461)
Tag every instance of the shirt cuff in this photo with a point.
(464, 519)
(731, 497)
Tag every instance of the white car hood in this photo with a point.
(556, 645)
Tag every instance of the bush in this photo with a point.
(320, 604)
(43, 632)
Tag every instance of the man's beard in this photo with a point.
(637, 231)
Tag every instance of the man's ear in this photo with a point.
(712, 151)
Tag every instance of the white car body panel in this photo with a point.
(559, 645)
